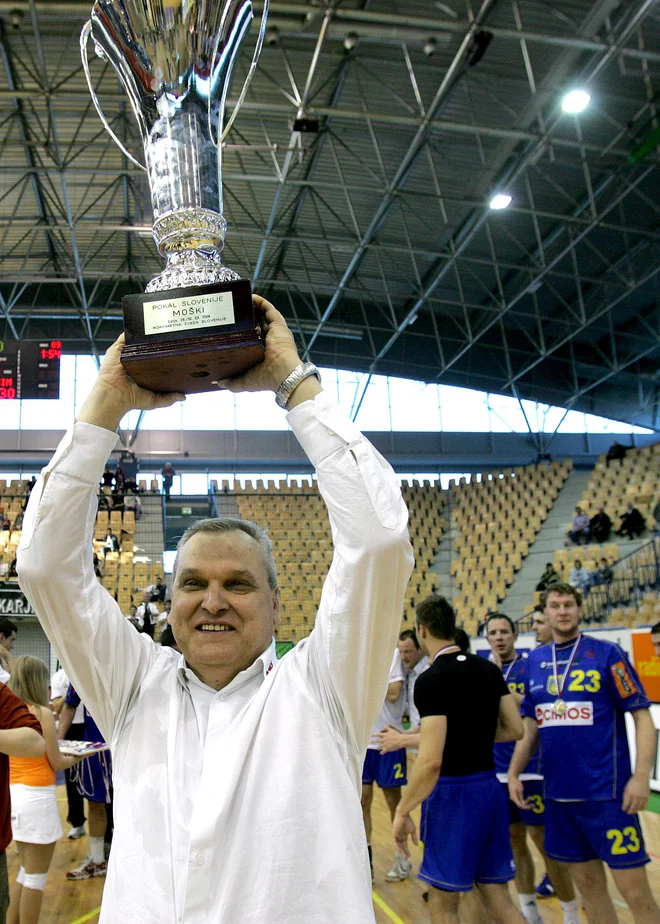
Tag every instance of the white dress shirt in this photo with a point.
(413, 674)
(59, 685)
(391, 713)
(239, 806)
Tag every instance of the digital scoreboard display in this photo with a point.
(29, 370)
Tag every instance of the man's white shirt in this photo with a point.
(391, 713)
(59, 684)
(411, 679)
(239, 806)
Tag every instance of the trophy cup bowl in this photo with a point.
(195, 323)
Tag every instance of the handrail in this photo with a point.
(632, 576)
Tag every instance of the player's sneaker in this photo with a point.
(75, 833)
(545, 888)
(400, 870)
(87, 870)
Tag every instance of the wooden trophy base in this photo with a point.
(186, 339)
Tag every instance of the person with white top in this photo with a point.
(146, 614)
(8, 631)
(388, 771)
(59, 684)
(237, 777)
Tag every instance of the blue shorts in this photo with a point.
(387, 770)
(531, 818)
(576, 832)
(465, 830)
(93, 777)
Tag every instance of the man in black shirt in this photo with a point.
(465, 706)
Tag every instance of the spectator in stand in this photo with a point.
(655, 638)
(120, 481)
(147, 614)
(656, 516)
(111, 543)
(632, 523)
(600, 526)
(168, 474)
(604, 574)
(5, 522)
(12, 574)
(35, 816)
(579, 527)
(20, 736)
(579, 574)
(18, 522)
(132, 502)
(27, 490)
(164, 617)
(107, 478)
(548, 577)
(8, 632)
(59, 685)
(615, 452)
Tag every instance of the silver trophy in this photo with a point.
(175, 59)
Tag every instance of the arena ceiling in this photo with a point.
(373, 234)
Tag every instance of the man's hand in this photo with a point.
(403, 828)
(389, 739)
(635, 795)
(281, 354)
(115, 393)
(517, 793)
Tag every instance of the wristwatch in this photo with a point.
(293, 380)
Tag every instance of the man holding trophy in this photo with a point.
(237, 777)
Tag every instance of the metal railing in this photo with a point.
(632, 577)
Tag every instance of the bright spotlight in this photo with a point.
(575, 101)
(500, 201)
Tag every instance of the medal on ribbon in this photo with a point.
(560, 706)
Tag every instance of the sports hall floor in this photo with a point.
(401, 903)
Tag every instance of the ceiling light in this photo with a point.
(575, 101)
(500, 201)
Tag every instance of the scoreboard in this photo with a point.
(29, 370)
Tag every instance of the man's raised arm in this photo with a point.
(350, 651)
(103, 655)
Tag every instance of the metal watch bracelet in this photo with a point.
(293, 380)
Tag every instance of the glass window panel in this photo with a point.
(574, 422)
(446, 477)
(463, 410)
(164, 418)
(331, 382)
(506, 415)
(374, 411)
(86, 374)
(52, 415)
(415, 406)
(10, 415)
(215, 410)
(194, 483)
(258, 411)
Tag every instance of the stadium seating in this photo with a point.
(298, 526)
(632, 480)
(497, 520)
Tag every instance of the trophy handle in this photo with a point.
(246, 85)
(84, 41)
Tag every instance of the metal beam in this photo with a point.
(477, 220)
(448, 83)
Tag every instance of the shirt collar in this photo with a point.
(263, 665)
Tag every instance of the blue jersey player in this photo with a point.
(577, 693)
(501, 635)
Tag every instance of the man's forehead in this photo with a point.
(499, 625)
(233, 547)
